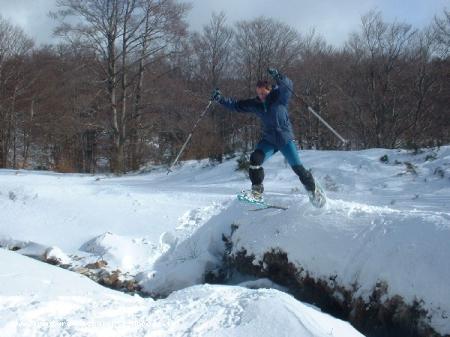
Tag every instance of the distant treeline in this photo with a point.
(128, 80)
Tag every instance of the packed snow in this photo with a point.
(385, 220)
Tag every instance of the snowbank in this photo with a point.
(395, 232)
(42, 300)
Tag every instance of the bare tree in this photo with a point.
(381, 49)
(442, 31)
(158, 39)
(14, 45)
(264, 42)
(311, 73)
(213, 50)
(122, 33)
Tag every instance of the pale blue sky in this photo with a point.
(334, 19)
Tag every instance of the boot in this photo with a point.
(315, 192)
(257, 192)
(305, 177)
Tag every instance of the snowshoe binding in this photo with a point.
(253, 196)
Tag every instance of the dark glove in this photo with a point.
(274, 73)
(216, 95)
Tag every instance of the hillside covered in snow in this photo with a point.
(377, 255)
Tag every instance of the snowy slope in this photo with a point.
(385, 221)
(42, 300)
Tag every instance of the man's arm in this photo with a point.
(285, 88)
(247, 105)
(285, 85)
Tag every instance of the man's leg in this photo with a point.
(264, 150)
(290, 153)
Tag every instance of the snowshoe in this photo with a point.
(252, 197)
(317, 197)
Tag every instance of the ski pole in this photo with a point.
(190, 136)
(317, 115)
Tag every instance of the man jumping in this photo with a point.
(271, 106)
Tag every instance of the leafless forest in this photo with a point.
(129, 78)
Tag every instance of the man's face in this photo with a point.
(262, 93)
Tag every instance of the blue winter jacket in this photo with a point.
(276, 126)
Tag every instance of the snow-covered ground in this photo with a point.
(385, 221)
(37, 299)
